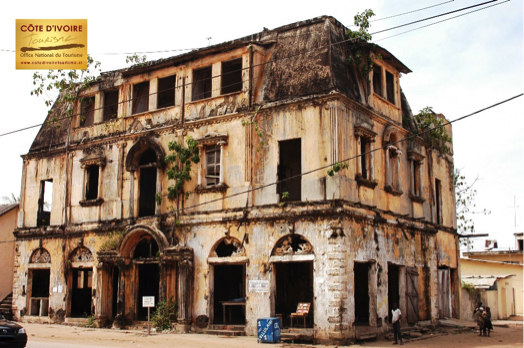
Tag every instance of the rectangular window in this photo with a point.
(438, 200)
(231, 76)
(212, 165)
(166, 92)
(417, 190)
(290, 165)
(92, 173)
(201, 83)
(140, 97)
(377, 79)
(110, 105)
(45, 202)
(87, 112)
(365, 157)
(390, 87)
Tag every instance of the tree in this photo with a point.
(62, 86)
(12, 199)
(357, 53)
(465, 205)
(432, 128)
(180, 160)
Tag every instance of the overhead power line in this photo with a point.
(353, 157)
(293, 56)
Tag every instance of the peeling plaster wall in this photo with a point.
(7, 250)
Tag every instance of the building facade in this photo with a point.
(265, 226)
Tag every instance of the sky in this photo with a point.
(459, 66)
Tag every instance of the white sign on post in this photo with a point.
(148, 301)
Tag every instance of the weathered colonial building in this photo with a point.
(283, 103)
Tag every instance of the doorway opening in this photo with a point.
(290, 166)
(361, 274)
(294, 285)
(229, 295)
(148, 285)
(393, 288)
(40, 292)
(81, 296)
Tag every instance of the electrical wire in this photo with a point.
(353, 157)
(289, 57)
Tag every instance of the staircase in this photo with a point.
(226, 330)
(6, 306)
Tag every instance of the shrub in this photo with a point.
(165, 311)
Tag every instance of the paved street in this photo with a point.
(506, 334)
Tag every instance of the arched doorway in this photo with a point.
(292, 281)
(81, 282)
(228, 282)
(145, 258)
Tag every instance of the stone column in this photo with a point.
(101, 296)
(372, 281)
(185, 272)
(202, 153)
(120, 319)
(131, 194)
(402, 305)
(398, 184)
(412, 177)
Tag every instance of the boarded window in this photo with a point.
(166, 92)
(390, 87)
(141, 97)
(87, 113)
(110, 105)
(290, 165)
(212, 165)
(92, 173)
(377, 80)
(231, 76)
(202, 83)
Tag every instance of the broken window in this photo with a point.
(166, 92)
(390, 87)
(521, 244)
(202, 83)
(212, 165)
(45, 201)
(92, 175)
(87, 112)
(290, 166)
(377, 79)
(231, 76)
(110, 105)
(148, 177)
(140, 97)
(145, 249)
(438, 200)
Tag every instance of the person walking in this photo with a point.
(396, 315)
(487, 322)
(479, 315)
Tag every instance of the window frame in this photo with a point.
(227, 75)
(218, 142)
(205, 80)
(110, 111)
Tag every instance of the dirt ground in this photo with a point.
(510, 336)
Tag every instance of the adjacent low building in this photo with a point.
(265, 225)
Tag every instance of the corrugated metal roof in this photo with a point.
(4, 208)
(484, 282)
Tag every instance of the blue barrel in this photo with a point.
(268, 330)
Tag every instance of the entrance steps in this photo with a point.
(6, 306)
(226, 330)
(365, 332)
(296, 334)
